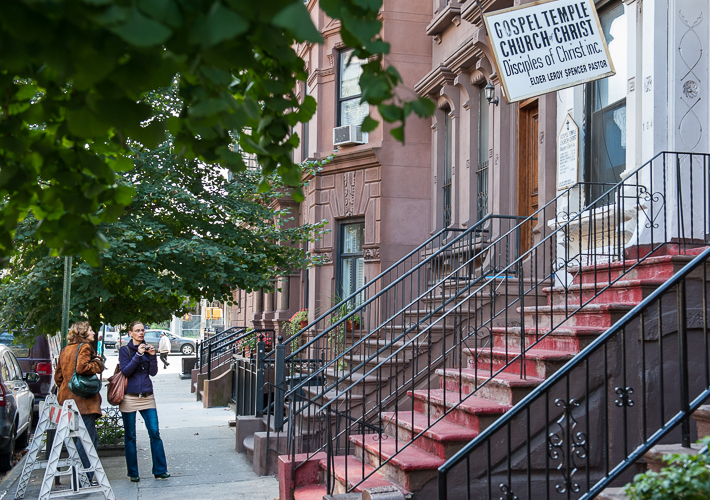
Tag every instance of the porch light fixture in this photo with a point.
(490, 92)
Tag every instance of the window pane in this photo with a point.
(346, 277)
(446, 186)
(353, 112)
(609, 90)
(353, 237)
(350, 75)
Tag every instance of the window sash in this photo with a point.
(448, 170)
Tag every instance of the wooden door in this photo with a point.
(527, 167)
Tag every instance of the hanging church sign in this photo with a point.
(567, 154)
(547, 46)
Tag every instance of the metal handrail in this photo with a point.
(567, 222)
(560, 375)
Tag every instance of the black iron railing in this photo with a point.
(202, 348)
(586, 426)
(469, 293)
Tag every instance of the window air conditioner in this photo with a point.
(348, 134)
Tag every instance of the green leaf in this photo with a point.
(208, 107)
(165, 11)
(369, 124)
(398, 133)
(83, 123)
(295, 18)
(423, 107)
(121, 164)
(390, 112)
(142, 31)
(222, 24)
(373, 5)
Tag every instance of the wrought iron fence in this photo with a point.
(456, 293)
(109, 427)
(586, 426)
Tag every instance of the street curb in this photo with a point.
(10, 478)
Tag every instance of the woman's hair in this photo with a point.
(78, 332)
(130, 327)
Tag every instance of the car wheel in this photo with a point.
(187, 349)
(6, 457)
(24, 440)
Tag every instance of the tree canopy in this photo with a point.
(74, 73)
(189, 233)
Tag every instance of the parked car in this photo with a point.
(35, 359)
(110, 339)
(177, 344)
(16, 401)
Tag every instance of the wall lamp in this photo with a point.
(490, 92)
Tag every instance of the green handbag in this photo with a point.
(83, 385)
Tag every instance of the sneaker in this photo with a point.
(135, 479)
(164, 475)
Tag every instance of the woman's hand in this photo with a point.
(151, 350)
(141, 348)
(99, 362)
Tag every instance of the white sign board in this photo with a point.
(547, 46)
(567, 154)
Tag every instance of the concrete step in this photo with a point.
(661, 267)
(310, 492)
(702, 419)
(612, 494)
(406, 464)
(569, 339)
(504, 388)
(654, 456)
(443, 439)
(349, 471)
(591, 315)
(473, 413)
(624, 291)
(539, 363)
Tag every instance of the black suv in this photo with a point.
(33, 359)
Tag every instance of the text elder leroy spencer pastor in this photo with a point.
(546, 44)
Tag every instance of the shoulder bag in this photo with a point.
(116, 387)
(83, 385)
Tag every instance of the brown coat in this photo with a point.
(85, 365)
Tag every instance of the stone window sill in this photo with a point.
(450, 14)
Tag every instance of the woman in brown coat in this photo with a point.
(87, 363)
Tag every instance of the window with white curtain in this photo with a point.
(352, 262)
(350, 110)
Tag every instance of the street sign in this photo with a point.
(547, 46)
(567, 154)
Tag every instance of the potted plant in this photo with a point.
(353, 323)
(299, 320)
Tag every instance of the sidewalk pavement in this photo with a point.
(199, 445)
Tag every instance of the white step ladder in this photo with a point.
(68, 424)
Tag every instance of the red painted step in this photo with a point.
(569, 339)
(594, 315)
(473, 412)
(310, 492)
(539, 363)
(408, 466)
(504, 388)
(442, 439)
(355, 474)
(622, 291)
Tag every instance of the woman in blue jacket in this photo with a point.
(138, 363)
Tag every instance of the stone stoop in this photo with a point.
(412, 465)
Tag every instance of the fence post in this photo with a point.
(197, 352)
(209, 361)
(259, 389)
(279, 385)
(683, 362)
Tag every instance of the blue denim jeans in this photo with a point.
(150, 416)
(90, 423)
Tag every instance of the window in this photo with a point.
(448, 170)
(482, 170)
(606, 111)
(350, 110)
(352, 262)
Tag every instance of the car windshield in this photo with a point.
(20, 350)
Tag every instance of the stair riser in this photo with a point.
(492, 390)
(567, 343)
(533, 367)
(655, 270)
(594, 319)
(630, 295)
(411, 480)
(426, 443)
(472, 421)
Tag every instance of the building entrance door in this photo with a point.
(527, 168)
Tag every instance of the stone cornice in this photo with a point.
(433, 81)
(351, 160)
(443, 19)
(471, 13)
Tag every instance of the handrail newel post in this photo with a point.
(279, 385)
(259, 389)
